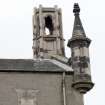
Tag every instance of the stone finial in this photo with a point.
(76, 9)
(78, 30)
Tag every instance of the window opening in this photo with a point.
(48, 25)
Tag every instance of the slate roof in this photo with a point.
(33, 65)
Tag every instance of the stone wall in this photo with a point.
(18, 88)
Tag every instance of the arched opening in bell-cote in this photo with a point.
(48, 25)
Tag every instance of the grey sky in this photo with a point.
(16, 34)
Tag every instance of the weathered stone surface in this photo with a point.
(47, 32)
(48, 78)
(80, 60)
(49, 86)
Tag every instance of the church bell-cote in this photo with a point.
(47, 32)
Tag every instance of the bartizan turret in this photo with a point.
(80, 60)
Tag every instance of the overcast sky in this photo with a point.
(16, 34)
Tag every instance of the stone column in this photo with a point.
(61, 32)
(34, 34)
(41, 30)
(60, 21)
(34, 22)
(41, 20)
(56, 20)
(57, 31)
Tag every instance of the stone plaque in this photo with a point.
(27, 96)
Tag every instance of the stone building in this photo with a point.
(49, 78)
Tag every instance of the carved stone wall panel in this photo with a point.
(27, 97)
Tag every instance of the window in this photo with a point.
(48, 25)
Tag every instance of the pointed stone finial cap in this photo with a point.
(76, 9)
(78, 30)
